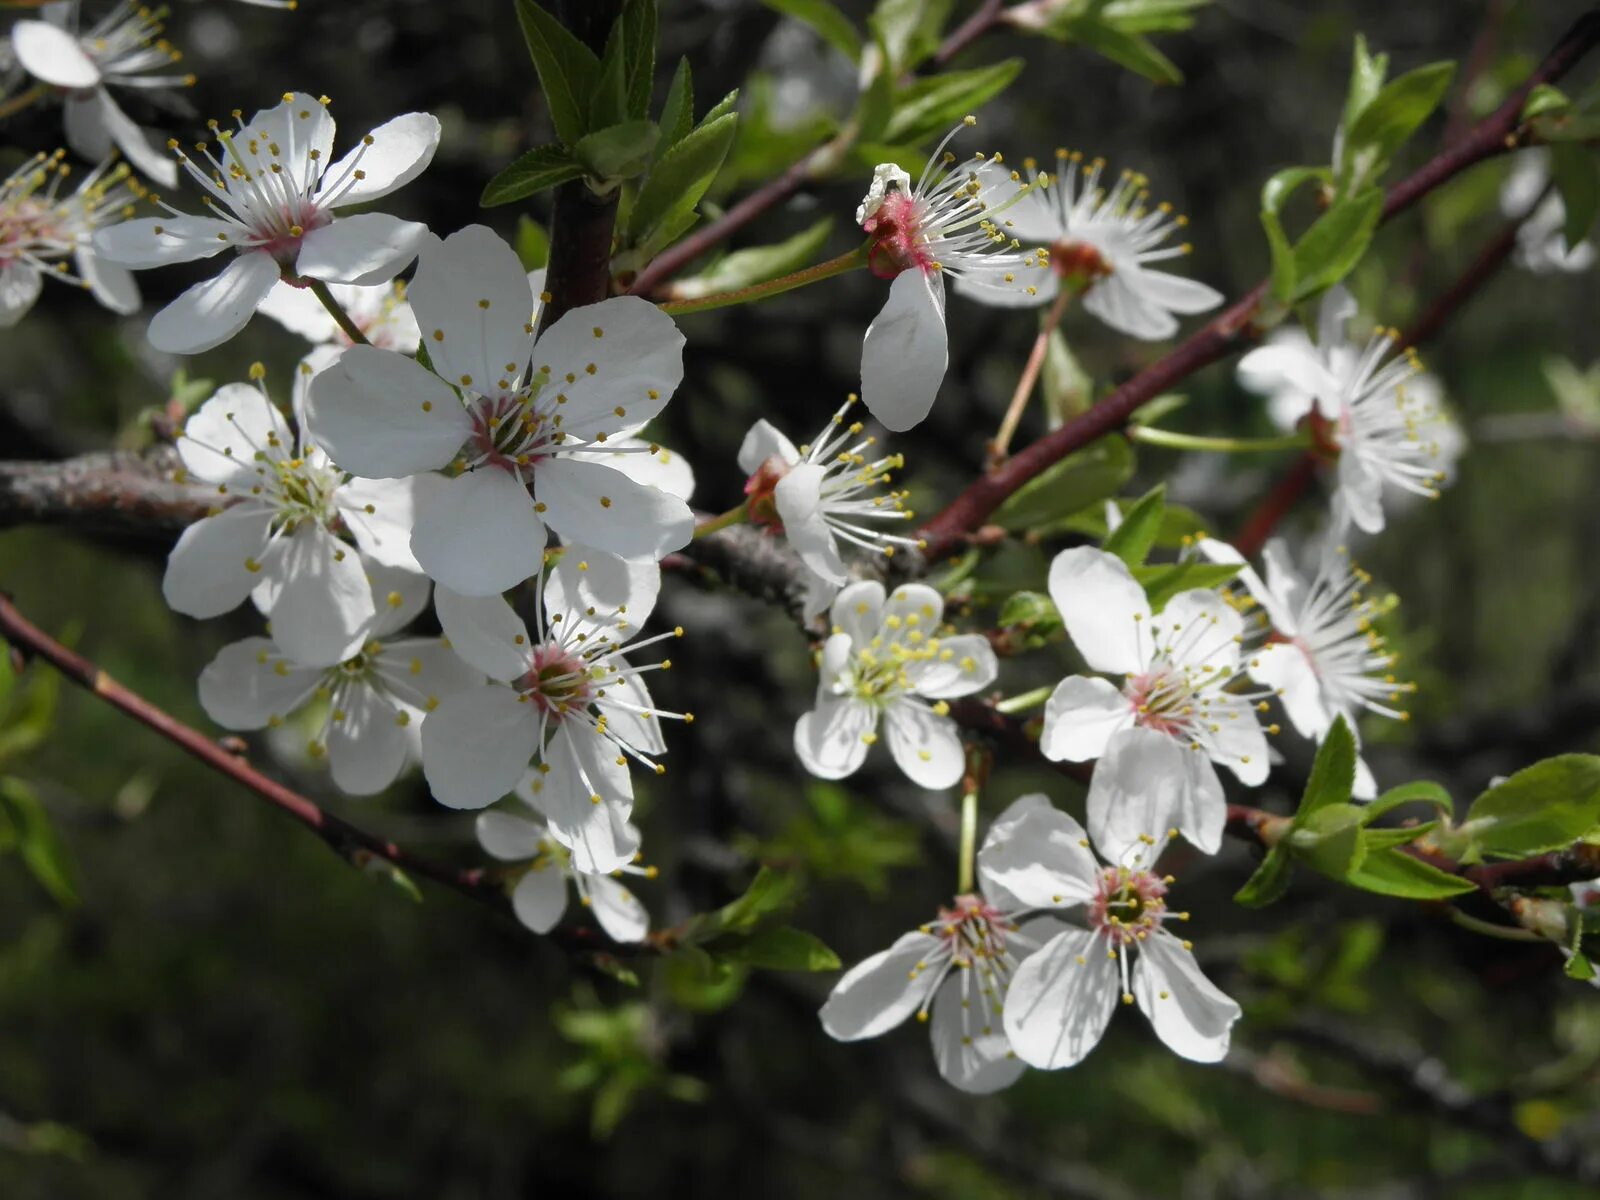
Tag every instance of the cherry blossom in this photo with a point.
(539, 897)
(945, 225)
(380, 311)
(1363, 407)
(1178, 671)
(124, 49)
(272, 195)
(376, 699)
(1541, 238)
(525, 423)
(959, 966)
(819, 495)
(560, 691)
(41, 230)
(284, 537)
(1102, 242)
(890, 661)
(1062, 997)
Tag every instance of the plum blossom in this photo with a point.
(891, 661)
(959, 965)
(560, 691)
(284, 538)
(1541, 239)
(1364, 407)
(41, 230)
(1323, 655)
(944, 226)
(376, 699)
(273, 196)
(819, 495)
(380, 311)
(124, 49)
(1062, 997)
(1178, 669)
(525, 423)
(540, 896)
(1102, 243)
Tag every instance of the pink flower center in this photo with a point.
(762, 488)
(282, 236)
(1079, 263)
(1129, 905)
(973, 930)
(558, 682)
(897, 239)
(1162, 700)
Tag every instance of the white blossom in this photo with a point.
(285, 537)
(560, 691)
(1323, 655)
(820, 494)
(1541, 238)
(1062, 997)
(41, 230)
(945, 225)
(1363, 404)
(380, 311)
(525, 424)
(1177, 669)
(124, 49)
(1103, 243)
(375, 700)
(891, 661)
(273, 196)
(958, 966)
(539, 897)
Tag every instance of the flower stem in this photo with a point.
(21, 101)
(773, 287)
(1023, 701)
(734, 516)
(1030, 376)
(1507, 933)
(969, 842)
(1219, 445)
(336, 310)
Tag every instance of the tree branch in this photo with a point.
(117, 492)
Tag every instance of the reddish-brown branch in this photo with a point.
(1275, 505)
(979, 23)
(1231, 330)
(117, 492)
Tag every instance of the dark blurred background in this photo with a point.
(231, 1011)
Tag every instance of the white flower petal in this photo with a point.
(157, 241)
(486, 632)
(368, 748)
(398, 596)
(1120, 303)
(831, 740)
(858, 611)
(1061, 1000)
(659, 468)
(1190, 1013)
(1081, 717)
(87, 130)
(508, 837)
(1238, 742)
(422, 672)
(475, 309)
(212, 311)
(139, 146)
(476, 746)
(298, 125)
(906, 351)
(323, 605)
(597, 506)
(53, 55)
(365, 249)
(1137, 794)
(1285, 366)
(222, 437)
(478, 533)
(964, 664)
(799, 500)
(617, 909)
(540, 897)
(969, 1046)
(1285, 668)
(586, 578)
(20, 284)
(641, 731)
(390, 157)
(1103, 608)
(112, 285)
(249, 684)
(1202, 630)
(1175, 293)
(207, 571)
(298, 310)
(927, 747)
(879, 992)
(623, 353)
(1042, 859)
(380, 415)
(587, 796)
(380, 514)
(764, 441)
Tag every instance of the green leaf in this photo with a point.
(875, 105)
(1067, 390)
(1544, 807)
(1544, 99)
(1029, 608)
(1366, 77)
(1575, 173)
(783, 948)
(1130, 50)
(757, 264)
(770, 893)
(1269, 882)
(1579, 967)
(1161, 583)
(933, 105)
(618, 152)
(1333, 246)
(831, 25)
(1151, 16)
(1382, 839)
(908, 30)
(568, 70)
(1421, 791)
(382, 868)
(29, 717)
(541, 168)
(1131, 540)
(698, 982)
(1333, 773)
(721, 108)
(639, 21)
(680, 178)
(532, 242)
(1393, 872)
(1330, 839)
(608, 103)
(42, 850)
(677, 111)
(1275, 194)
(1387, 121)
(1084, 477)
